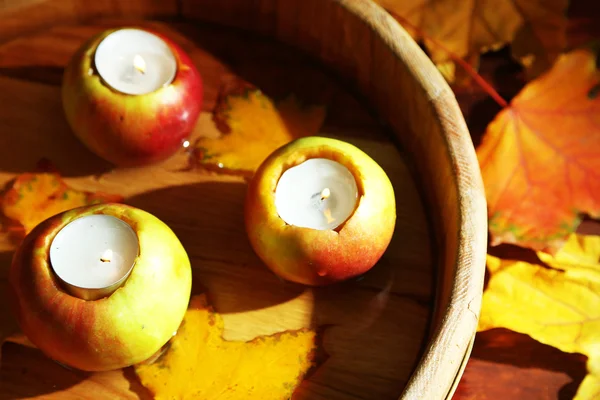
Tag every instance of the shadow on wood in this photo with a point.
(280, 71)
(8, 322)
(22, 365)
(26, 365)
(208, 218)
(357, 317)
(33, 121)
(542, 370)
(135, 385)
(39, 74)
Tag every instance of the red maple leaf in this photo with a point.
(540, 157)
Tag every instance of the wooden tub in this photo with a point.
(404, 330)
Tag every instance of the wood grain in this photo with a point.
(22, 17)
(368, 47)
(417, 338)
(205, 211)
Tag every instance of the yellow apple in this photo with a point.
(125, 328)
(318, 257)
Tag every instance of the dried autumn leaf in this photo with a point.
(457, 74)
(558, 306)
(199, 364)
(254, 127)
(536, 28)
(539, 42)
(539, 157)
(32, 198)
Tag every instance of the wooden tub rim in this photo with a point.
(465, 302)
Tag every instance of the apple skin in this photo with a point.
(125, 328)
(320, 257)
(130, 130)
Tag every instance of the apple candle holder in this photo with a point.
(319, 211)
(93, 309)
(132, 96)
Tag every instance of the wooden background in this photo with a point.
(378, 325)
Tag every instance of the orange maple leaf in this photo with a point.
(540, 157)
(33, 197)
(535, 28)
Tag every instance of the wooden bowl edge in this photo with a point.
(450, 342)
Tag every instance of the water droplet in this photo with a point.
(186, 144)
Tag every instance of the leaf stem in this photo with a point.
(458, 60)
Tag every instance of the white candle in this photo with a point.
(318, 194)
(94, 252)
(134, 61)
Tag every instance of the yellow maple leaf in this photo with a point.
(536, 28)
(557, 305)
(200, 364)
(33, 197)
(255, 126)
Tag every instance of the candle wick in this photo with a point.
(325, 194)
(106, 256)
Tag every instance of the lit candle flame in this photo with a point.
(139, 64)
(325, 193)
(106, 256)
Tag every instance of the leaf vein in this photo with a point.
(555, 149)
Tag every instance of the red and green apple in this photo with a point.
(125, 129)
(128, 326)
(313, 256)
